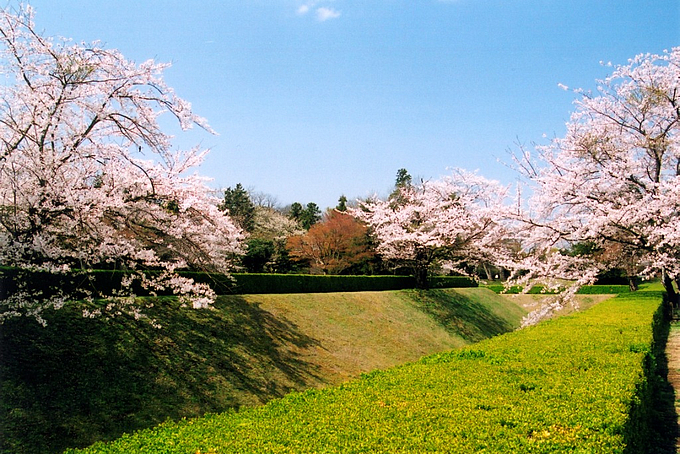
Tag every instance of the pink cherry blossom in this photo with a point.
(613, 181)
(87, 176)
(449, 223)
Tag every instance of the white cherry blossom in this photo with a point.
(87, 176)
(613, 181)
(452, 222)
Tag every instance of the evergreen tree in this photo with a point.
(295, 212)
(310, 216)
(403, 179)
(342, 204)
(402, 183)
(239, 207)
(307, 216)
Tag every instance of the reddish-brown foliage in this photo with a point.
(333, 245)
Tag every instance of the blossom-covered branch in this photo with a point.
(87, 176)
(612, 183)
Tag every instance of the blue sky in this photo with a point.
(315, 99)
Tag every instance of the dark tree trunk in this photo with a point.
(670, 290)
(632, 283)
(502, 274)
(420, 273)
(485, 267)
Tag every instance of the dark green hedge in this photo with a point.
(452, 282)
(306, 283)
(517, 289)
(103, 282)
(107, 281)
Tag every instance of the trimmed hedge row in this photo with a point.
(106, 282)
(305, 283)
(584, 383)
(603, 289)
(76, 284)
(451, 282)
(539, 289)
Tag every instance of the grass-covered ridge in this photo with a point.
(580, 383)
(80, 380)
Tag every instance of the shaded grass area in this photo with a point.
(581, 383)
(81, 380)
(473, 314)
(661, 411)
(359, 332)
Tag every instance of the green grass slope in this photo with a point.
(80, 380)
(581, 383)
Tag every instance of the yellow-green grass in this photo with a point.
(359, 332)
(581, 383)
(80, 380)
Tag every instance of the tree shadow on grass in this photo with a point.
(81, 380)
(653, 422)
(460, 315)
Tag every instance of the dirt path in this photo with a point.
(673, 355)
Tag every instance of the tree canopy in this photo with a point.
(333, 245)
(451, 222)
(239, 206)
(613, 180)
(306, 216)
(87, 176)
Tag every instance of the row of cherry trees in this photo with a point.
(450, 223)
(88, 179)
(603, 196)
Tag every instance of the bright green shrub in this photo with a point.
(539, 289)
(582, 383)
(603, 289)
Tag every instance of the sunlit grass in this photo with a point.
(567, 385)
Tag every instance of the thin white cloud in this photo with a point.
(323, 14)
(302, 10)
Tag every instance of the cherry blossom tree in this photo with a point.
(89, 179)
(613, 180)
(454, 222)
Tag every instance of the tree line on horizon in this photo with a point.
(300, 238)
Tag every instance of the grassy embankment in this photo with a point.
(82, 380)
(580, 383)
